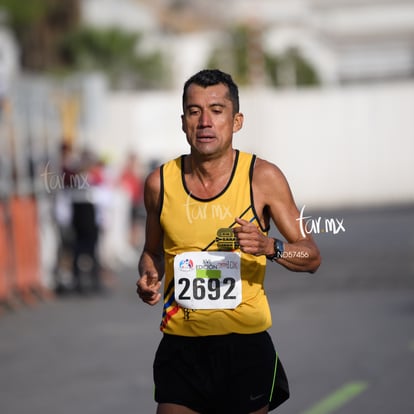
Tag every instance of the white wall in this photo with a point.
(337, 147)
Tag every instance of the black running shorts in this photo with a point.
(234, 373)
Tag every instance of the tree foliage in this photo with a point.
(242, 54)
(290, 69)
(22, 13)
(117, 52)
(51, 39)
(39, 25)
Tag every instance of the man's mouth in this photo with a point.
(204, 137)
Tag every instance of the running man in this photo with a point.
(208, 217)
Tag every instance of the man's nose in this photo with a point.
(205, 119)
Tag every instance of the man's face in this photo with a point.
(208, 120)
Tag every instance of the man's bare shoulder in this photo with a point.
(152, 190)
(153, 180)
(267, 172)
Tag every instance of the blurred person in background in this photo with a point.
(131, 181)
(63, 217)
(208, 217)
(87, 220)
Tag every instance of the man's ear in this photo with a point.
(238, 122)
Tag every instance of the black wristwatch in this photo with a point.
(279, 249)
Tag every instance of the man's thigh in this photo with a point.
(180, 409)
(174, 409)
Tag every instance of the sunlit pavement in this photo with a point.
(345, 334)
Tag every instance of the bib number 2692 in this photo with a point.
(207, 280)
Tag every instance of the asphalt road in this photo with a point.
(345, 335)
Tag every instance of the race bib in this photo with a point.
(207, 280)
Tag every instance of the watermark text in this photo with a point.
(58, 181)
(317, 225)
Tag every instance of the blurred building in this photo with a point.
(131, 15)
(368, 39)
(346, 41)
(9, 56)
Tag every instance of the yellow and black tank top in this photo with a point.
(190, 224)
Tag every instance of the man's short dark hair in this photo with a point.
(210, 77)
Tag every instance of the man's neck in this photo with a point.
(207, 177)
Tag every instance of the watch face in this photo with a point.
(279, 245)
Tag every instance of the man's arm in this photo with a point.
(151, 263)
(272, 196)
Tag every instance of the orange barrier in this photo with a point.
(6, 288)
(26, 257)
